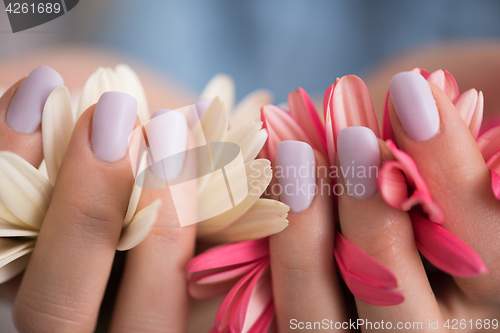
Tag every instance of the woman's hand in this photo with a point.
(64, 283)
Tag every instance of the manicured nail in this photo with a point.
(167, 136)
(359, 158)
(415, 105)
(295, 170)
(113, 123)
(25, 110)
(160, 112)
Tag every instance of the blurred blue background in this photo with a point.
(275, 44)
(280, 45)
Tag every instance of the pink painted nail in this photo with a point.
(359, 158)
(25, 110)
(114, 120)
(415, 105)
(296, 174)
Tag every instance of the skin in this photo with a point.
(44, 299)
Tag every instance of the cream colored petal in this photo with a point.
(249, 108)
(259, 175)
(12, 230)
(9, 247)
(57, 124)
(265, 218)
(214, 121)
(43, 169)
(132, 204)
(139, 227)
(131, 84)
(15, 264)
(221, 85)
(249, 137)
(96, 84)
(25, 191)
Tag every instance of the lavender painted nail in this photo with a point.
(25, 110)
(113, 122)
(295, 170)
(359, 158)
(167, 136)
(415, 105)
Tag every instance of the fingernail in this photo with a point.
(167, 136)
(160, 112)
(113, 122)
(359, 158)
(295, 170)
(415, 105)
(25, 110)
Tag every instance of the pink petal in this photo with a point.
(364, 267)
(225, 308)
(252, 303)
(477, 118)
(444, 80)
(351, 105)
(466, 105)
(280, 127)
(387, 132)
(228, 255)
(330, 141)
(494, 162)
(327, 97)
(304, 112)
(489, 143)
(421, 194)
(392, 184)
(489, 123)
(421, 71)
(444, 250)
(265, 320)
(495, 184)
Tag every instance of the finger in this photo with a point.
(305, 285)
(429, 128)
(382, 232)
(21, 113)
(153, 291)
(66, 277)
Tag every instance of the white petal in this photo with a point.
(15, 264)
(9, 247)
(96, 85)
(249, 137)
(131, 84)
(222, 86)
(214, 121)
(249, 108)
(25, 192)
(258, 177)
(266, 217)
(57, 124)
(12, 230)
(139, 227)
(132, 204)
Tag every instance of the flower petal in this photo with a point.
(250, 137)
(302, 109)
(14, 265)
(228, 255)
(359, 264)
(139, 227)
(264, 218)
(495, 184)
(132, 204)
(444, 80)
(265, 320)
(392, 184)
(259, 176)
(57, 124)
(387, 132)
(221, 86)
(248, 110)
(351, 105)
(12, 230)
(214, 121)
(280, 127)
(25, 193)
(131, 84)
(444, 250)
(466, 105)
(489, 143)
(252, 303)
(421, 71)
(477, 118)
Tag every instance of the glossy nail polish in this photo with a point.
(295, 170)
(359, 157)
(113, 122)
(167, 136)
(25, 110)
(415, 105)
